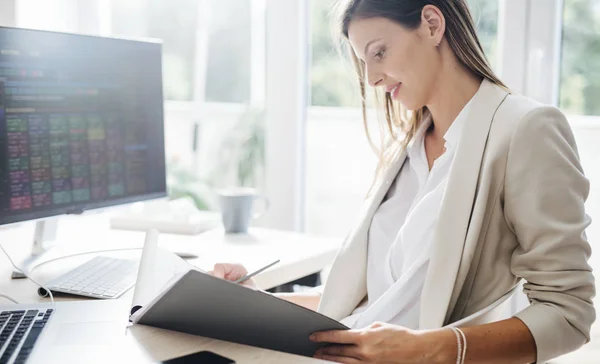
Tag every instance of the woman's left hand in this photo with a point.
(377, 343)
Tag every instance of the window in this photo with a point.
(339, 161)
(485, 15)
(210, 66)
(333, 80)
(580, 74)
(229, 52)
(139, 18)
(213, 64)
(227, 61)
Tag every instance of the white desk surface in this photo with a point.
(300, 256)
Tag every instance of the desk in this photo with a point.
(300, 256)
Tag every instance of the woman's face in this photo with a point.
(405, 63)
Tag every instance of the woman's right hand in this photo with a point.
(232, 272)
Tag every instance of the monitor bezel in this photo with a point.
(81, 208)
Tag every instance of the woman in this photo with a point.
(483, 189)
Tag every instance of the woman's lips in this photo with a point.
(394, 90)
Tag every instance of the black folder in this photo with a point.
(200, 304)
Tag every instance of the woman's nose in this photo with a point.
(375, 79)
(374, 82)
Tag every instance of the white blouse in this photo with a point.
(401, 233)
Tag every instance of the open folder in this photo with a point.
(173, 295)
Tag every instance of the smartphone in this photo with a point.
(204, 357)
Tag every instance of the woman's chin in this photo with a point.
(410, 105)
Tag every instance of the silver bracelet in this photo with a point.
(459, 358)
(464, 353)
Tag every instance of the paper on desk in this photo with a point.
(158, 268)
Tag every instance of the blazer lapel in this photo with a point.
(346, 284)
(456, 210)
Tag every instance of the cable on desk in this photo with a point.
(25, 273)
(9, 298)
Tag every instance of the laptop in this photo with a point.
(68, 332)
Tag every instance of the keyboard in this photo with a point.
(19, 330)
(100, 277)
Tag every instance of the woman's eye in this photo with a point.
(379, 54)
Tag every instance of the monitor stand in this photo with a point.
(45, 231)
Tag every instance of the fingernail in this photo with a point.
(312, 337)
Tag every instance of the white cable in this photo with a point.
(25, 274)
(9, 298)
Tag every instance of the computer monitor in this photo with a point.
(81, 123)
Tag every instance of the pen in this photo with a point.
(248, 276)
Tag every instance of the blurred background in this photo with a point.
(242, 77)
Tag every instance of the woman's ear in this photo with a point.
(435, 23)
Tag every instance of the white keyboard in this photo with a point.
(101, 277)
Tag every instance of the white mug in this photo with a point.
(236, 206)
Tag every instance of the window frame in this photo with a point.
(287, 52)
(530, 47)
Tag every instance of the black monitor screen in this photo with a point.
(81, 123)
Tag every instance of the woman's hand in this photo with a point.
(378, 343)
(232, 272)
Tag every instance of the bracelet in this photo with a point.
(464, 352)
(459, 359)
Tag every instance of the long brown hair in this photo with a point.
(461, 36)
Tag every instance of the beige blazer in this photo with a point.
(513, 209)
